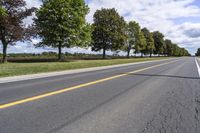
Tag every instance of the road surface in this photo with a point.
(154, 97)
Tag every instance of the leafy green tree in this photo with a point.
(136, 40)
(177, 51)
(198, 52)
(186, 52)
(183, 52)
(174, 50)
(132, 31)
(130, 39)
(159, 43)
(169, 50)
(149, 40)
(61, 23)
(143, 43)
(109, 31)
(12, 28)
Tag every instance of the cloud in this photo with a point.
(33, 3)
(186, 35)
(194, 33)
(162, 15)
(159, 15)
(191, 30)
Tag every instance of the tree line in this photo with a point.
(62, 24)
(198, 52)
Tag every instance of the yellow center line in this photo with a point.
(75, 87)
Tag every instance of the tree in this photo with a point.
(12, 29)
(174, 49)
(168, 50)
(132, 31)
(159, 43)
(143, 44)
(61, 23)
(198, 52)
(109, 31)
(150, 41)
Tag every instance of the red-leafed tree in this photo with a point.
(12, 28)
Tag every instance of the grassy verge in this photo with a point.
(13, 69)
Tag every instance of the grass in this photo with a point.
(14, 69)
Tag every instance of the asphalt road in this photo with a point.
(154, 97)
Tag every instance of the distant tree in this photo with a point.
(174, 49)
(132, 31)
(138, 37)
(183, 52)
(130, 39)
(159, 43)
(61, 23)
(12, 28)
(143, 43)
(198, 52)
(186, 52)
(177, 51)
(168, 49)
(108, 31)
(149, 41)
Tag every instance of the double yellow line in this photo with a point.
(75, 87)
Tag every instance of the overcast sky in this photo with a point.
(178, 20)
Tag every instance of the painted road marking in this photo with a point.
(52, 74)
(198, 68)
(76, 87)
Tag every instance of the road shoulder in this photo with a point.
(52, 74)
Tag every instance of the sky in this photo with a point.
(178, 20)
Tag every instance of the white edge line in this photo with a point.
(198, 67)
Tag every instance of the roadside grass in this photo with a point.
(14, 69)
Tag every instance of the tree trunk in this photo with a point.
(141, 55)
(104, 53)
(128, 53)
(60, 52)
(150, 54)
(4, 53)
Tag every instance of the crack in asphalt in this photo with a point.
(178, 113)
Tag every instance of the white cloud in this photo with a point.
(33, 3)
(159, 15)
